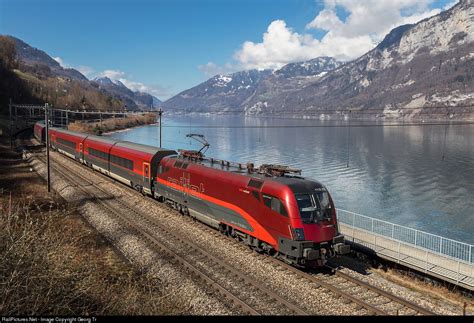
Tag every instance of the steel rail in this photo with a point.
(381, 292)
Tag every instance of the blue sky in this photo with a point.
(166, 46)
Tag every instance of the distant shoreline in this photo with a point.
(108, 133)
(111, 125)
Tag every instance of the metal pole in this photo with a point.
(161, 111)
(470, 253)
(11, 124)
(67, 119)
(353, 226)
(399, 251)
(46, 114)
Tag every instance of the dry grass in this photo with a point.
(435, 292)
(113, 124)
(52, 263)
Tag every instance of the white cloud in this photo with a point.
(366, 24)
(370, 17)
(112, 74)
(85, 70)
(162, 92)
(60, 62)
(210, 69)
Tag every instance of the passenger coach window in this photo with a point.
(275, 204)
(127, 163)
(97, 153)
(67, 143)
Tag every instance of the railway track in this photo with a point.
(366, 296)
(250, 297)
(405, 305)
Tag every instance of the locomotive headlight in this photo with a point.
(299, 234)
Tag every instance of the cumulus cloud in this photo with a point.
(366, 24)
(162, 92)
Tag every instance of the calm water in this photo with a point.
(395, 173)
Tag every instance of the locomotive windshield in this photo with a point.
(314, 207)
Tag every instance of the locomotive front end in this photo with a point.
(315, 234)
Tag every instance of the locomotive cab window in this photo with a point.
(275, 204)
(314, 207)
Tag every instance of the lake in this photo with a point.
(416, 175)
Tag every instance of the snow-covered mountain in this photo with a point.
(220, 93)
(315, 67)
(223, 93)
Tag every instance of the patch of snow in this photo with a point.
(222, 80)
(399, 86)
(416, 103)
(452, 99)
(365, 82)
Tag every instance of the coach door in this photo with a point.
(81, 152)
(146, 175)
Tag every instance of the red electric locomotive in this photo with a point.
(269, 208)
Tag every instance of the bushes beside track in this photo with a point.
(113, 124)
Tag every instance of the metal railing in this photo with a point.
(460, 251)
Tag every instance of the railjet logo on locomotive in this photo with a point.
(271, 208)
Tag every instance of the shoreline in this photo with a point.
(111, 125)
(108, 133)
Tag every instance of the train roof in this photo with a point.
(69, 132)
(130, 145)
(297, 184)
(117, 143)
(143, 148)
